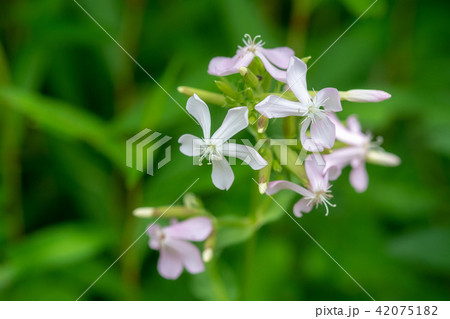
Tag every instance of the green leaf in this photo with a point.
(52, 248)
(63, 120)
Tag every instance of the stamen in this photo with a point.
(321, 197)
(252, 44)
(210, 152)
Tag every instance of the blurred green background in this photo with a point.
(69, 99)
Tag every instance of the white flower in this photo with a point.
(315, 109)
(214, 148)
(273, 59)
(359, 150)
(317, 193)
(176, 251)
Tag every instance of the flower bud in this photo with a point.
(382, 158)
(257, 66)
(230, 102)
(263, 122)
(206, 96)
(168, 212)
(276, 166)
(249, 93)
(227, 89)
(264, 173)
(207, 255)
(192, 201)
(364, 95)
(249, 77)
(306, 59)
(208, 248)
(144, 212)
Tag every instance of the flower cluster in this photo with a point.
(270, 84)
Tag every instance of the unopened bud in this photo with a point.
(168, 212)
(264, 173)
(277, 166)
(230, 101)
(364, 95)
(227, 89)
(306, 59)
(263, 122)
(249, 93)
(257, 66)
(207, 255)
(192, 201)
(208, 248)
(144, 212)
(249, 77)
(206, 96)
(382, 158)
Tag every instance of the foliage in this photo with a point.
(70, 97)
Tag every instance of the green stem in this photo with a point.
(248, 266)
(217, 281)
(133, 15)
(130, 261)
(251, 244)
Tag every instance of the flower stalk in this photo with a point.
(207, 96)
(180, 212)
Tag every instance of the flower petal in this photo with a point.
(323, 132)
(169, 263)
(222, 174)
(308, 143)
(222, 66)
(193, 229)
(359, 177)
(246, 153)
(343, 157)
(296, 79)
(302, 206)
(235, 121)
(277, 74)
(154, 232)
(188, 254)
(316, 174)
(333, 172)
(275, 107)
(353, 124)
(276, 186)
(329, 99)
(190, 145)
(200, 111)
(346, 135)
(279, 56)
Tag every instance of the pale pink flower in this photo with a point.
(273, 59)
(315, 110)
(175, 250)
(318, 191)
(365, 95)
(214, 148)
(359, 150)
